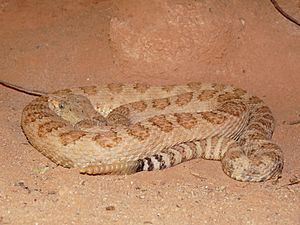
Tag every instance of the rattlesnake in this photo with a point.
(127, 128)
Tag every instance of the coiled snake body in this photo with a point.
(123, 129)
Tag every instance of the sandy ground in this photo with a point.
(49, 45)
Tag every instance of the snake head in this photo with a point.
(72, 108)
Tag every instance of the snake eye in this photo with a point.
(61, 105)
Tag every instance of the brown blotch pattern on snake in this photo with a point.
(255, 100)
(184, 98)
(161, 103)
(107, 139)
(205, 95)
(33, 116)
(49, 126)
(71, 136)
(122, 110)
(89, 90)
(138, 131)
(213, 117)
(186, 120)
(115, 88)
(162, 123)
(142, 88)
(139, 106)
(227, 96)
(218, 87)
(239, 92)
(233, 108)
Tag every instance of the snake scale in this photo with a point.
(127, 128)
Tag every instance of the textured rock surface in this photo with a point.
(156, 37)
